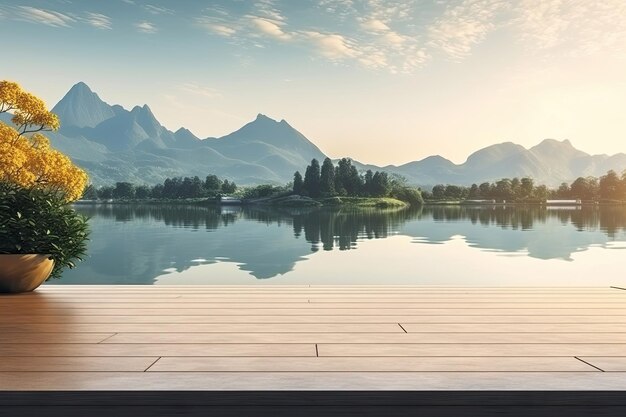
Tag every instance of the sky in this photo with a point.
(381, 81)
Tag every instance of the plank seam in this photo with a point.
(593, 366)
(157, 359)
(107, 338)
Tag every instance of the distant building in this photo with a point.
(576, 202)
(229, 200)
(479, 201)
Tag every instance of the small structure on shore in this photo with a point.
(576, 202)
(225, 200)
(478, 202)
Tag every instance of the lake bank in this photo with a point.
(291, 201)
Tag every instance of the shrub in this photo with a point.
(409, 195)
(40, 221)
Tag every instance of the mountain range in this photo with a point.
(114, 144)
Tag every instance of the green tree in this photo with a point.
(610, 186)
(142, 192)
(368, 179)
(228, 187)
(527, 186)
(157, 191)
(439, 192)
(327, 178)
(516, 188)
(486, 190)
(297, 183)
(124, 190)
(105, 193)
(312, 179)
(563, 191)
(453, 192)
(474, 192)
(212, 184)
(380, 185)
(541, 192)
(504, 189)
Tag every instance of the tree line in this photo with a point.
(608, 187)
(171, 188)
(345, 180)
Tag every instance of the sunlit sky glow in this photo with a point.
(381, 81)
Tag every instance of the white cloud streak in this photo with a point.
(157, 9)
(98, 20)
(197, 89)
(46, 17)
(146, 27)
(269, 28)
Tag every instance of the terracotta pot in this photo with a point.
(23, 273)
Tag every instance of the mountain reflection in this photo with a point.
(137, 243)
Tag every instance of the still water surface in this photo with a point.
(466, 246)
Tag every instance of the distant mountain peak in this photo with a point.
(183, 130)
(82, 107)
(261, 116)
(80, 86)
(549, 141)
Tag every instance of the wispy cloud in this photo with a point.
(269, 28)
(157, 9)
(98, 20)
(197, 89)
(46, 17)
(463, 26)
(580, 27)
(146, 27)
(402, 36)
(332, 45)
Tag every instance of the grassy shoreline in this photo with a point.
(285, 201)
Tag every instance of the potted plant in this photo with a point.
(40, 234)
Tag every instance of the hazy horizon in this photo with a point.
(385, 82)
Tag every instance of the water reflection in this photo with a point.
(137, 243)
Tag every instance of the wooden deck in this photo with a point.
(275, 337)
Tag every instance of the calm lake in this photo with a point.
(508, 246)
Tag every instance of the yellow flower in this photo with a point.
(30, 161)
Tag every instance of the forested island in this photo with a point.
(343, 185)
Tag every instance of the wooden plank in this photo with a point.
(373, 364)
(146, 349)
(46, 337)
(69, 364)
(6, 307)
(512, 327)
(191, 328)
(618, 307)
(322, 298)
(477, 349)
(607, 363)
(360, 381)
(345, 319)
(260, 302)
(485, 338)
(320, 312)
